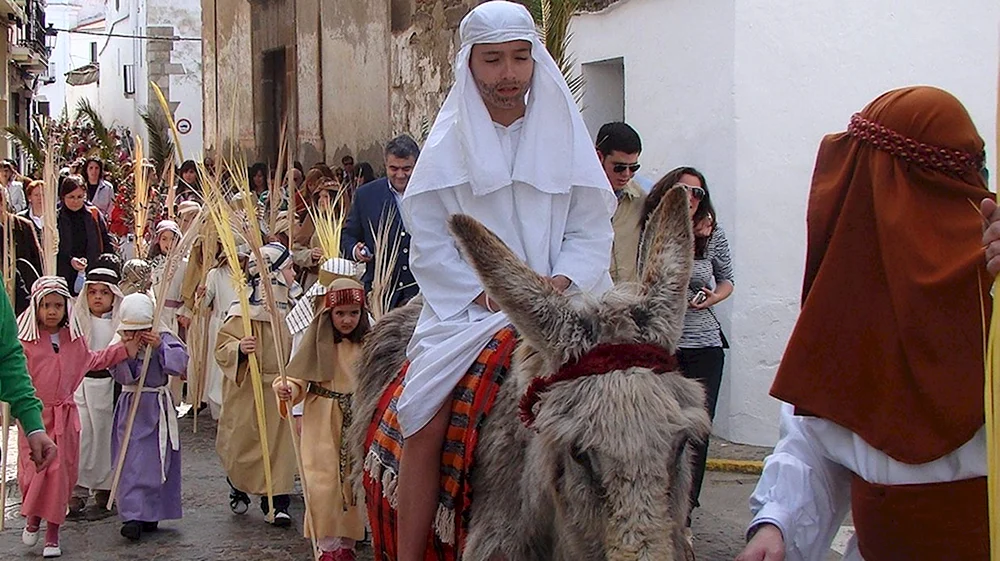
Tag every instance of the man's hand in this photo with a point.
(43, 450)
(359, 256)
(991, 235)
(560, 282)
(766, 544)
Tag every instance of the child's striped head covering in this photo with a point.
(27, 322)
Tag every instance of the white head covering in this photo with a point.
(104, 271)
(555, 151)
(137, 313)
(27, 322)
(276, 258)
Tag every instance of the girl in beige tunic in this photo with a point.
(323, 361)
(238, 442)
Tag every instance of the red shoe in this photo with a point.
(344, 554)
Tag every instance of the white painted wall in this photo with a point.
(185, 88)
(744, 91)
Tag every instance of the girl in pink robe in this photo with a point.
(58, 359)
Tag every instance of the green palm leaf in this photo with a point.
(34, 149)
(88, 112)
(553, 19)
(161, 147)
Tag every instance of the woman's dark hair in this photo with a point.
(259, 167)
(187, 166)
(100, 166)
(360, 330)
(365, 172)
(69, 184)
(705, 207)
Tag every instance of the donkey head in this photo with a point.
(611, 446)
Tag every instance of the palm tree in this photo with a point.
(553, 18)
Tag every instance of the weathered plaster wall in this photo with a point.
(229, 97)
(424, 42)
(176, 66)
(355, 79)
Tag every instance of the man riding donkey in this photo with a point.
(510, 149)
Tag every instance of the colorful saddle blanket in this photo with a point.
(472, 401)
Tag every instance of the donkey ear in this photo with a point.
(543, 315)
(666, 258)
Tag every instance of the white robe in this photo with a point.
(805, 488)
(220, 295)
(95, 403)
(555, 234)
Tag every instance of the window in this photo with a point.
(129, 79)
(93, 52)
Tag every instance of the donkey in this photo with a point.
(585, 455)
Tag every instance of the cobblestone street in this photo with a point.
(209, 531)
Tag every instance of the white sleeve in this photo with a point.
(447, 282)
(801, 492)
(586, 247)
(299, 407)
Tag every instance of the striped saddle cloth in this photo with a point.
(472, 401)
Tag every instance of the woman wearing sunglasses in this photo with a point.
(701, 347)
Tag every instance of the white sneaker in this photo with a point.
(29, 538)
(51, 551)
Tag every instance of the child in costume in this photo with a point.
(238, 443)
(323, 362)
(150, 486)
(58, 359)
(219, 297)
(97, 314)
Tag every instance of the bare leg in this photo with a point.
(419, 477)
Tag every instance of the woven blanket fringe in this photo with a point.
(444, 520)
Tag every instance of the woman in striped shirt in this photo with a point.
(701, 348)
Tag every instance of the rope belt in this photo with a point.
(347, 419)
(168, 423)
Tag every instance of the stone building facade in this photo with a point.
(345, 76)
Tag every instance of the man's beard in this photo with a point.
(491, 95)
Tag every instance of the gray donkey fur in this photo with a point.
(604, 473)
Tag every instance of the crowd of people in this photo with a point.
(883, 414)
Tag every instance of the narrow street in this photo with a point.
(210, 532)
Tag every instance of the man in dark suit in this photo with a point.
(372, 204)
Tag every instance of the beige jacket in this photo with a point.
(627, 224)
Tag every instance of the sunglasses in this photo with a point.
(619, 168)
(697, 192)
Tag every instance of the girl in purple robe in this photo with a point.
(149, 489)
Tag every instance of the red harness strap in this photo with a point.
(599, 360)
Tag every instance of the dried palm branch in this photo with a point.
(173, 257)
(161, 148)
(387, 243)
(140, 199)
(9, 251)
(276, 188)
(4, 445)
(991, 398)
(222, 216)
(329, 221)
(171, 190)
(34, 149)
(50, 229)
(170, 121)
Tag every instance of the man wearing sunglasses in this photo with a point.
(618, 147)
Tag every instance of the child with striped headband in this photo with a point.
(324, 353)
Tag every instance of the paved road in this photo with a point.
(209, 531)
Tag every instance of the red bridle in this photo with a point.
(599, 360)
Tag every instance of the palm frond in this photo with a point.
(34, 149)
(161, 147)
(84, 110)
(553, 18)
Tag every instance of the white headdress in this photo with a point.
(555, 152)
(27, 322)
